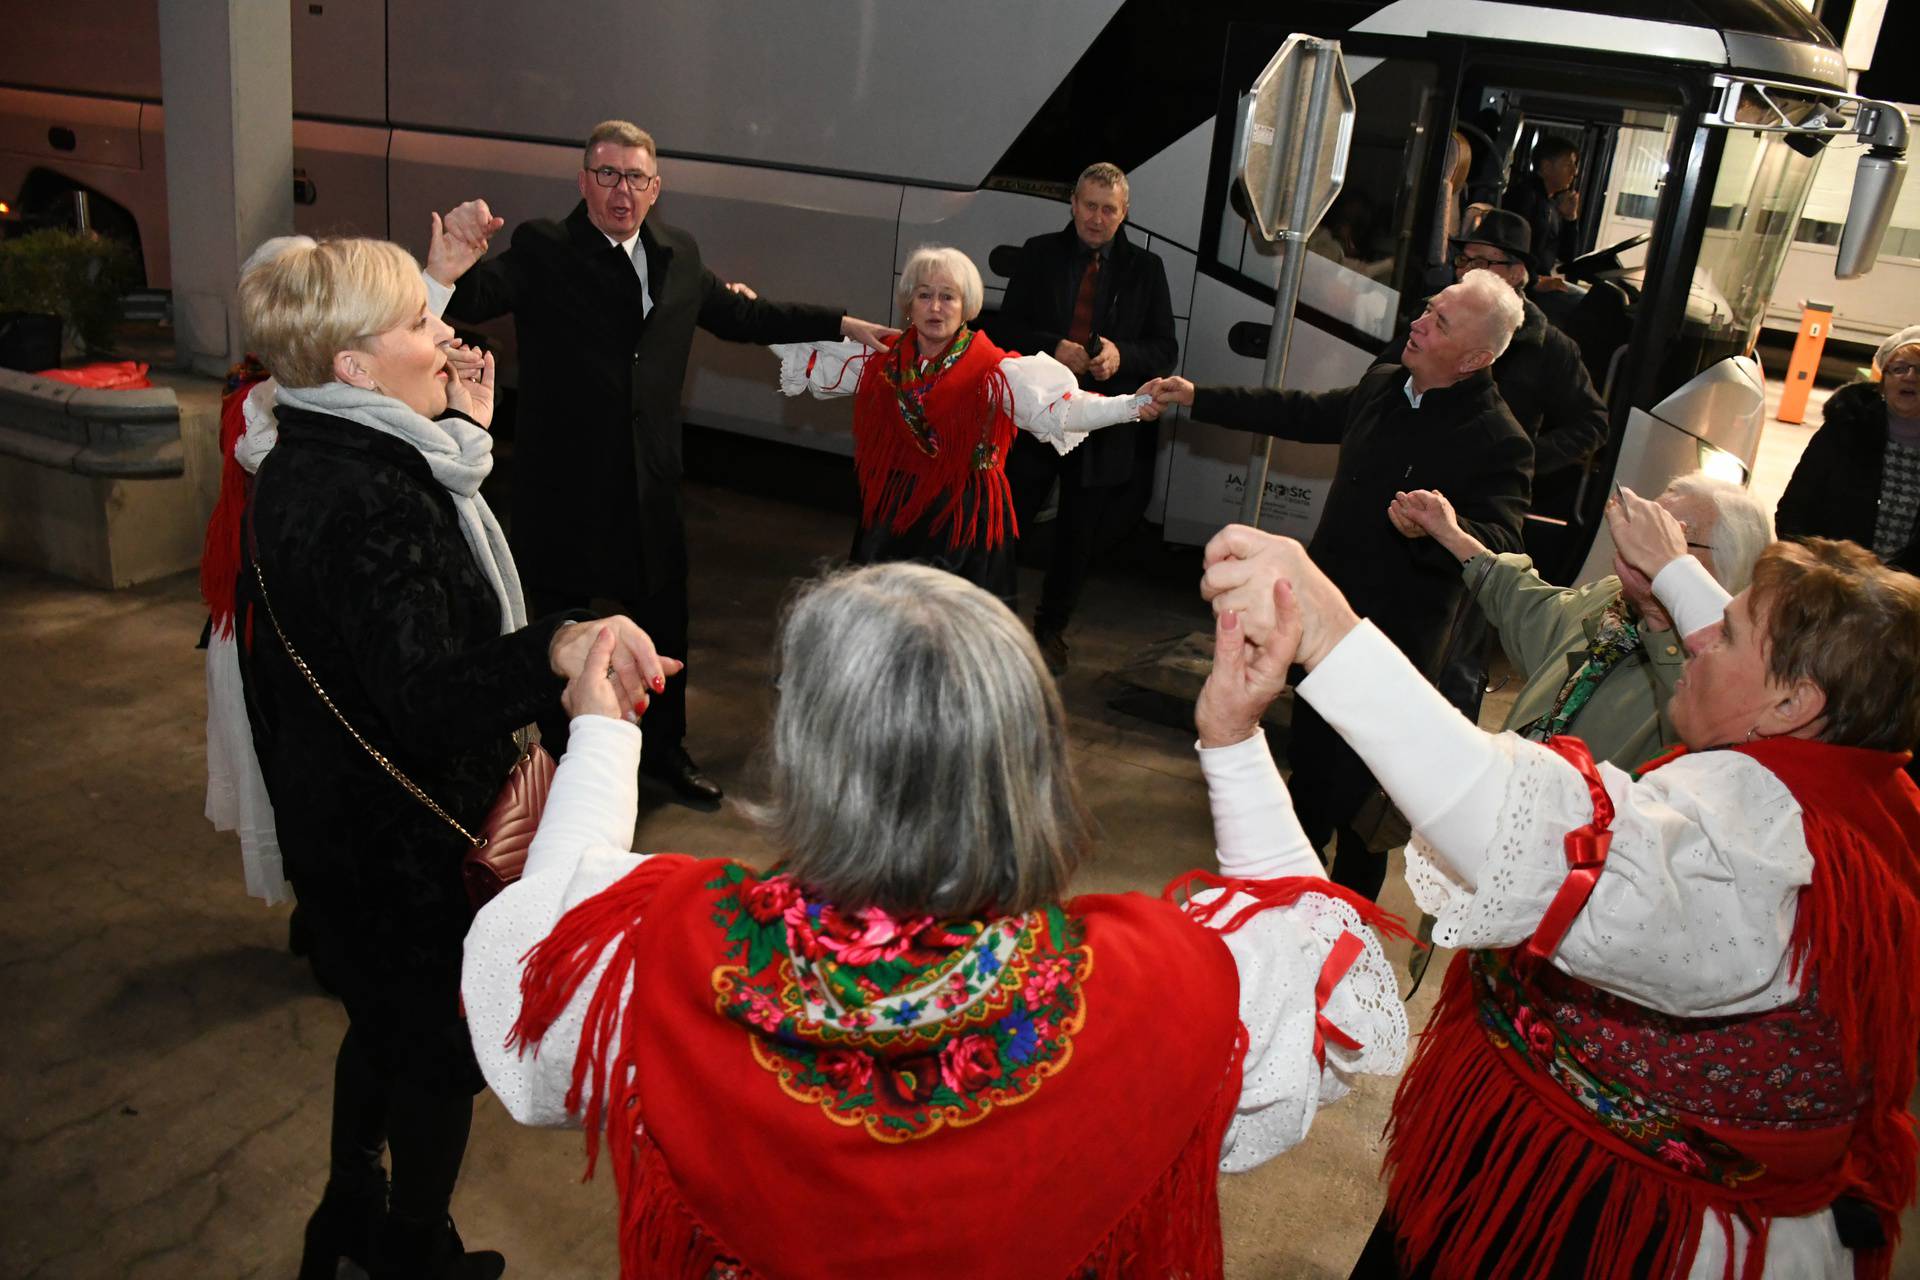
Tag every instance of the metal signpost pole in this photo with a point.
(1299, 225)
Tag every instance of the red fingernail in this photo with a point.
(659, 683)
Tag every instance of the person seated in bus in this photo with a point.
(934, 415)
(1434, 422)
(1602, 660)
(1859, 478)
(811, 1069)
(1549, 200)
(1678, 1038)
(1099, 304)
(1540, 375)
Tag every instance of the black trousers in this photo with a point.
(1330, 784)
(1032, 467)
(663, 615)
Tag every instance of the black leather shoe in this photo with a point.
(344, 1226)
(429, 1251)
(677, 769)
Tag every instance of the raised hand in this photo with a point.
(1645, 533)
(1244, 565)
(1246, 677)
(460, 239)
(470, 386)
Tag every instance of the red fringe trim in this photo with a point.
(553, 970)
(220, 552)
(1460, 1099)
(967, 406)
(1172, 1230)
(1268, 894)
(1857, 939)
(1512, 1213)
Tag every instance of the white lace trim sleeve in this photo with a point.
(1694, 911)
(1048, 402)
(580, 850)
(824, 369)
(1279, 954)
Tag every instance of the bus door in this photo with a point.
(1377, 247)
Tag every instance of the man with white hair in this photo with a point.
(1434, 421)
(1600, 661)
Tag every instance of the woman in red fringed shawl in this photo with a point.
(1680, 1036)
(934, 417)
(902, 1050)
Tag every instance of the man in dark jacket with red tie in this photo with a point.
(1097, 303)
(604, 305)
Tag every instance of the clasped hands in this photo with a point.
(1099, 366)
(611, 668)
(1272, 607)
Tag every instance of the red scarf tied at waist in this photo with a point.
(933, 439)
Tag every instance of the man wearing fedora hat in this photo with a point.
(1540, 375)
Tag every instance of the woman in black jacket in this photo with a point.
(370, 550)
(1859, 478)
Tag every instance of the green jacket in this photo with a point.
(1545, 631)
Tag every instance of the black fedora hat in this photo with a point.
(1503, 230)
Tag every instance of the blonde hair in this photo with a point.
(302, 306)
(931, 260)
(620, 133)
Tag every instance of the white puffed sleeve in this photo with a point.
(1048, 402)
(1279, 955)
(1693, 913)
(825, 369)
(583, 846)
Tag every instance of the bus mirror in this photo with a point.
(1876, 185)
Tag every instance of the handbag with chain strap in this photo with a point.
(498, 853)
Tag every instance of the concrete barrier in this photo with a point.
(109, 488)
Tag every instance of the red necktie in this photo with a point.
(1082, 327)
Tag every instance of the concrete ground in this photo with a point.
(166, 1084)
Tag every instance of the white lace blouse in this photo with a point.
(583, 847)
(1693, 914)
(1047, 399)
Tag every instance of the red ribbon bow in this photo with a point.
(1586, 850)
(1347, 948)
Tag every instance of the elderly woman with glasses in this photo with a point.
(1859, 478)
(1679, 1038)
(902, 1049)
(933, 418)
(380, 625)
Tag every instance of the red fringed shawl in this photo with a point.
(1067, 1122)
(220, 554)
(1533, 1098)
(936, 443)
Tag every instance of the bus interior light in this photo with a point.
(1722, 465)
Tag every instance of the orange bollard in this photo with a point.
(1816, 319)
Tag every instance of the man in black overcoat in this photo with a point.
(1434, 422)
(1097, 303)
(1540, 375)
(604, 304)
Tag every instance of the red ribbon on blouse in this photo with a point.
(1346, 949)
(1586, 850)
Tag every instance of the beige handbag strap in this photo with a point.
(393, 771)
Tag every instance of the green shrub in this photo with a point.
(80, 278)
